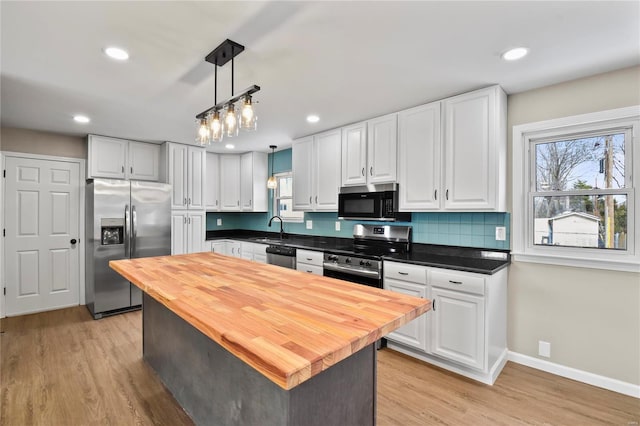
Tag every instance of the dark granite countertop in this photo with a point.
(483, 261)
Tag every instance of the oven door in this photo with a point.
(358, 279)
(360, 205)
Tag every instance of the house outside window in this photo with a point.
(574, 190)
(283, 199)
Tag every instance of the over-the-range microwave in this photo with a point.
(370, 202)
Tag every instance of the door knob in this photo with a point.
(73, 241)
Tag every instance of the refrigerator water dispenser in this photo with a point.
(111, 231)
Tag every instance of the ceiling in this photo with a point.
(344, 61)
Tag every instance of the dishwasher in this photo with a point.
(281, 256)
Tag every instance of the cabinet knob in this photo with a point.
(131, 170)
(122, 169)
(371, 171)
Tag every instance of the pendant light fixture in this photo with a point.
(223, 119)
(272, 182)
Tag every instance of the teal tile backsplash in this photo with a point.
(455, 229)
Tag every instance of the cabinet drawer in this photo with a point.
(310, 257)
(312, 269)
(460, 281)
(405, 272)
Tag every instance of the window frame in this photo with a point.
(276, 198)
(525, 137)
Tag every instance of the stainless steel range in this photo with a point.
(370, 243)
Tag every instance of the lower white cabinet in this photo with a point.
(309, 261)
(187, 232)
(243, 249)
(466, 329)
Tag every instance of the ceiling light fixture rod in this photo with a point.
(248, 91)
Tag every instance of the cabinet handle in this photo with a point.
(435, 194)
(189, 200)
(249, 202)
(309, 259)
(446, 195)
(363, 171)
(184, 220)
(122, 169)
(433, 304)
(310, 272)
(455, 282)
(403, 273)
(185, 201)
(309, 200)
(238, 202)
(371, 171)
(131, 170)
(316, 199)
(216, 202)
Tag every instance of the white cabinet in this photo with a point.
(122, 159)
(369, 151)
(316, 171)
(212, 183)
(475, 150)
(234, 248)
(219, 246)
(253, 182)
(230, 182)
(185, 170)
(410, 280)
(309, 261)
(249, 251)
(187, 232)
(419, 145)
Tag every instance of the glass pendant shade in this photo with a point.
(203, 132)
(248, 118)
(231, 122)
(272, 183)
(215, 127)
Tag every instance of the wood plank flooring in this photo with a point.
(64, 368)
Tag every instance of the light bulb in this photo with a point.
(231, 122)
(248, 118)
(272, 183)
(215, 124)
(203, 132)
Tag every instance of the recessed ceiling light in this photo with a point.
(81, 119)
(116, 53)
(515, 54)
(229, 146)
(313, 118)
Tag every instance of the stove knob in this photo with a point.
(347, 260)
(367, 263)
(333, 258)
(362, 263)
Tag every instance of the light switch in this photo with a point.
(309, 224)
(501, 233)
(219, 221)
(337, 226)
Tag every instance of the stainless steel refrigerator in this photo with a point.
(124, 219)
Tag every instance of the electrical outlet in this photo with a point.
(309, 224)
(544, 349)
(337, 226)
(219, 221)
(501, 233)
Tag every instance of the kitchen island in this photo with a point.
(242, 343)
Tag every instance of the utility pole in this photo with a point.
(608, 177)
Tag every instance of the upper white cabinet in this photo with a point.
(185, 171)
(122, 159)
(452, 154)
(212, 183)
(316, 171)
(475, 149)
(419, 145)
(229, 182)
(369, 151)
(253, 182)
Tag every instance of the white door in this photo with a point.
(196, 232)
(197, 166)
(246, 181)
(178, 175)
(212, 182)
(230, 182)
(302, 167)
(354, 154)
(144, 161)
(414, 333)
(382, 148)
(107, 157)
(327, 170)
(42, 212)
(178, 232)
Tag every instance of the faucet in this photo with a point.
(281, 230)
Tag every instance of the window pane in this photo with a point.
(285, 210)
(285, 186)
(586, 163)
(581, 221)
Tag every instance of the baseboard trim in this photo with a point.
(579, 375)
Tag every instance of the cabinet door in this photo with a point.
(382, 148)
(458, 327)
(179, 233)
(246, 181)
(354, 154)
(413, 334)
(302, 168)
(107, 157)
(419, 158)
(470, 156)
(196, 231)
(178, 175)
(144, 161)
(212, 183)
(196, 166)
(230, 182)
(234, 248)
(219, 247)
(327, 169)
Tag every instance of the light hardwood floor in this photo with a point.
(64, 368)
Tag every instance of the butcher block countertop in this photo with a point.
(288, 325)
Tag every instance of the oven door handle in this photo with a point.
(359, 272)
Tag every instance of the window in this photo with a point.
(574, 190)
(283, 199)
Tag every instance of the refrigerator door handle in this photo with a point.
(134, 230)
(127, 230)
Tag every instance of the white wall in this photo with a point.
(591, 317)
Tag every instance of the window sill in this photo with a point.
(629, 264)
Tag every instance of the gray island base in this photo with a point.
(216, 388)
